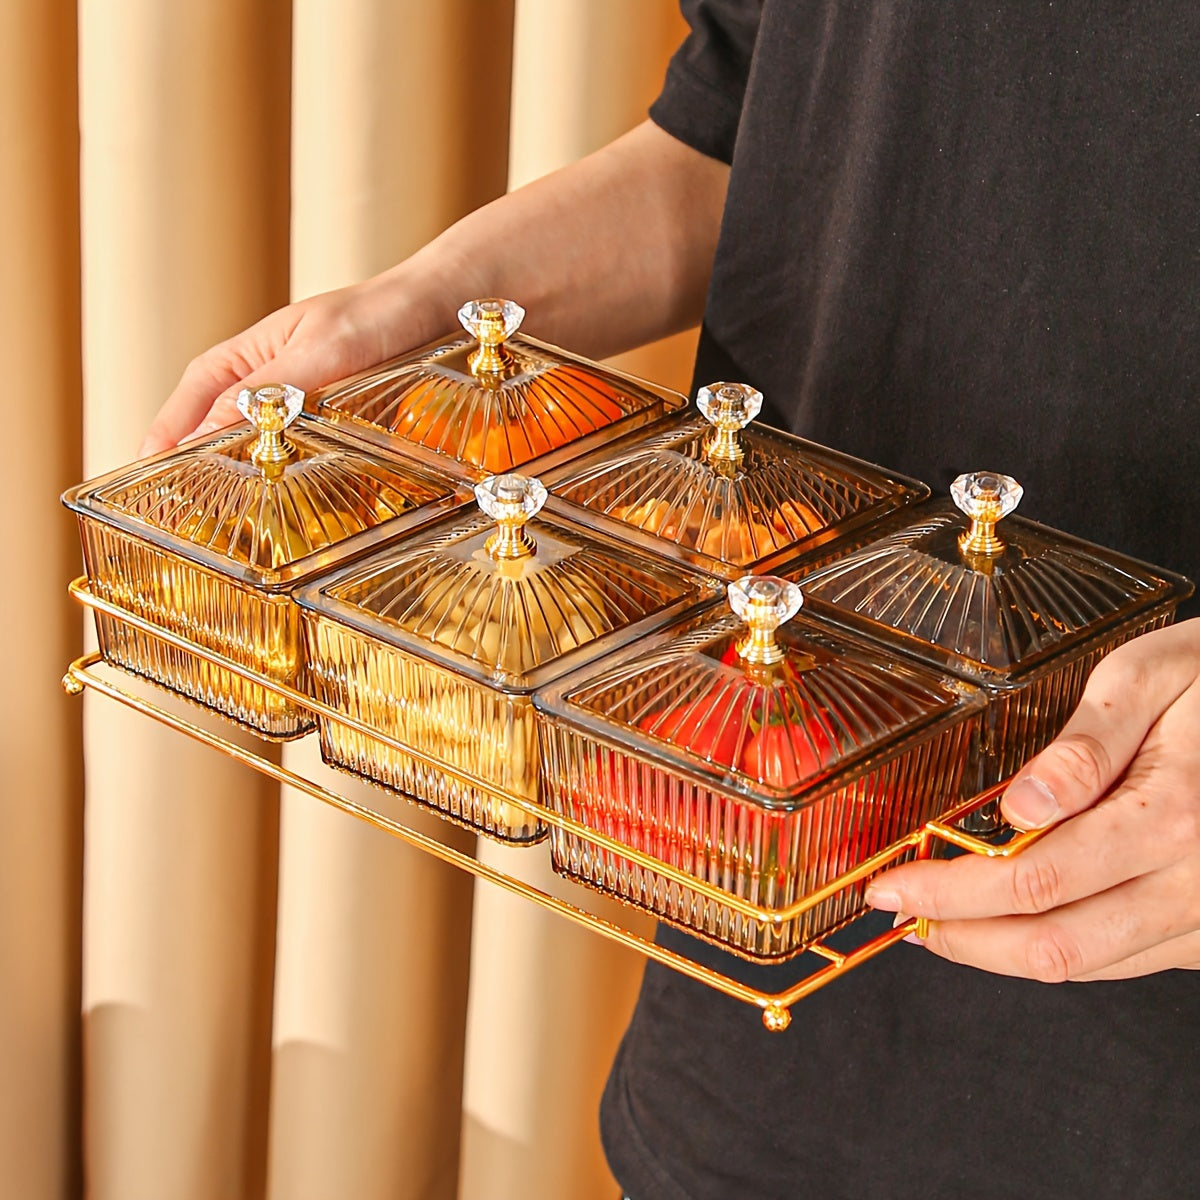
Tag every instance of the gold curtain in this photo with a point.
(275, 1000)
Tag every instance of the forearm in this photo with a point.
(608, 253)
(611, 252)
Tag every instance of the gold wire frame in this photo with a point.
(775, 1006)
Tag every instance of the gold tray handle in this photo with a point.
(987, 498)
(491, 322)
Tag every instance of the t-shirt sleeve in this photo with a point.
(701, 100)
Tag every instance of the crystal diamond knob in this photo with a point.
(490, 322)
(730, 407)
(764, 602)
(980, 494)
(986, 497)
(510, 500)
(271, 408)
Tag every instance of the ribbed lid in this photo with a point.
(774, 724)
(508, 594)
(491, 400)
(991, 600)
(261, 504)
(729, 496)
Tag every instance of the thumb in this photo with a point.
(1124, 698)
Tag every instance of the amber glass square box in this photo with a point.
(1020, 609)
(439, 641)
(207, 541)
(766, 764)
(491, 400)
(714, 491)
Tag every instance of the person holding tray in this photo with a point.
(934, 236)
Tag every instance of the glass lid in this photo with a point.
(726, 495)
(490, 399)
(510, 595)
(987, 597)
(266, 504)
(776, 708)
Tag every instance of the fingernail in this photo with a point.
(883, 898)
(911, 937)
(1029, 803)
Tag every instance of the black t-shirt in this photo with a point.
(958, 236)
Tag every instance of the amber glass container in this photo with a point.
(206, 542)
(439, 641)
(764, 755)
(712, 490)
(1022, 610)
(490, 400)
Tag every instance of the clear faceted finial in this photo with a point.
(490, 322)
(986, 497)
(730, 407)
(270, 408)
(510, 500)
(764, 602)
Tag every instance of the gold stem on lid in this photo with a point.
(986, 497)
(489, 359)
(764, 602)
(272, 449)
(759, 646)
(510, 541)
(725, 446)
(980, 539)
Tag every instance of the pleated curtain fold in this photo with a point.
(211, 987)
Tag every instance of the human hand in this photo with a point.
(306, 344)
(611, 252)
(1113, 890)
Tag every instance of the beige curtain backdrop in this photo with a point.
(41, 761)
(276, 1001)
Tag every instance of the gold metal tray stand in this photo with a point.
(775, 1006)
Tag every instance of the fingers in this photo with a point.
(1115, 890)
(197, 407)
(1181, 952)
(1149, 822)
(1125, 696)
(287, 367)
(1127, 924)
(205, 378)
(216, 377)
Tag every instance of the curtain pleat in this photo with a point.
(276, 1001)
(40, 758)
(185, 132)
